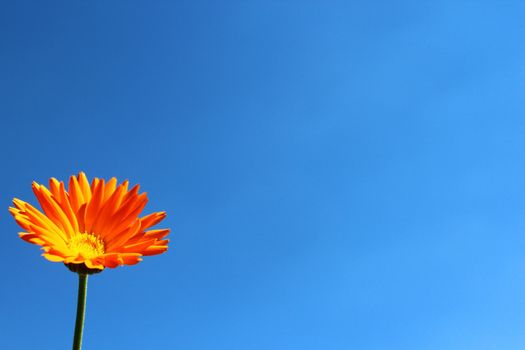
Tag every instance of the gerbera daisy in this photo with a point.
(90, 227)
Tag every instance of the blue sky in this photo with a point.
(337, 174)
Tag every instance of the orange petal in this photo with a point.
(53, 188)
(75, 194)
(31, 238)
(48, 237)
(52, 209)
(109, 188)
(125, 216)
(130, 258)
(113, 243)
(152, 219)
(66, 207)
(84, 186)
(94, 204)
(81, 217)
(111, 260)
(138, 247)
(53, 258)
(37, 217)
(93, 264)
(154, 250)
(110, 207)
(157, 233)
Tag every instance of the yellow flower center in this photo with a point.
(87, 245)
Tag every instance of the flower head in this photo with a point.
(90, 227)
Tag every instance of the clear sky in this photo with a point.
(337, 174)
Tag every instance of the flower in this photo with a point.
(90, 227)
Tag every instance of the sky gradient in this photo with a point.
(337, 174)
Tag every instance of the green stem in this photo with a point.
(81, 311)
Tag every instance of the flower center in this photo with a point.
(87, 245)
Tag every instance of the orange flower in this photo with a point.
(92, 227)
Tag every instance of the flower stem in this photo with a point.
(81, 311)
